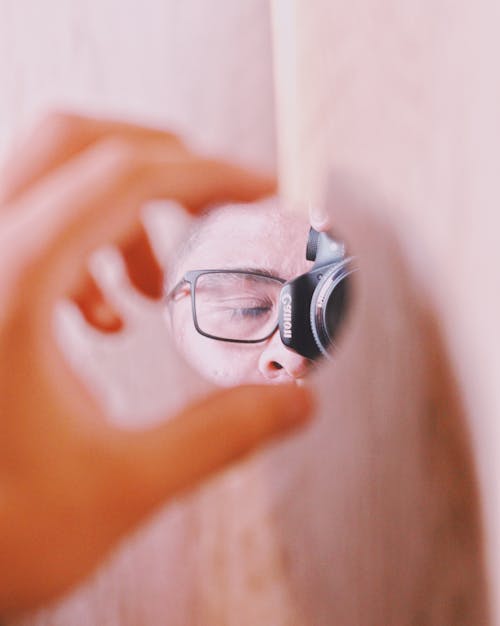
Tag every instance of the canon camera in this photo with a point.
(313, 306)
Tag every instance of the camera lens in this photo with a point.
(329, 306)
(335, 309)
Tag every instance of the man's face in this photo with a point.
(252, 237)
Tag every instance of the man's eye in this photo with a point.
(250, 312)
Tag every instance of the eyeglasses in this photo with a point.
(231, 305)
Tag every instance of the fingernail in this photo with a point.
(318, 216)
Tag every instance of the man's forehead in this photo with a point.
(243, 222)
(257, 236)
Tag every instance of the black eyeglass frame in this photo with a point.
(191, 278)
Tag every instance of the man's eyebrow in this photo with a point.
(259, 270)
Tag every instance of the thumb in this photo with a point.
(163, 461)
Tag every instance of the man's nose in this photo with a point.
(279, 364)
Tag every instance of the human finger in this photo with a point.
(143, 272)
(166, 460)
(319, 217)
(93, 305)
(96, 197)
(142, 265)
(122, 477)
(55, 139)
(58, 137)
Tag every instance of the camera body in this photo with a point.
(313, 306)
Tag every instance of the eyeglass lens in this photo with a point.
(237, 306)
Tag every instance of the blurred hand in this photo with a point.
(71, 484)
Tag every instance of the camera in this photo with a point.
(313, 306)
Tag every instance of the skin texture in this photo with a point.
(71, 484)
(262, 237)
